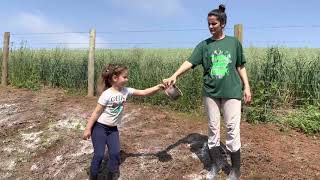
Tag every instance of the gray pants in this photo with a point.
(231, 109)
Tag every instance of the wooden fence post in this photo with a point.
(91, 62)
(238, 32)
(5, 57)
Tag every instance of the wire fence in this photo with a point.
(36, 39)
(282, 83)
(108, 39)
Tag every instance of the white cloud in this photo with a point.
(38, 23)
(162, 8)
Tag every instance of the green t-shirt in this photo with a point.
(220, 59)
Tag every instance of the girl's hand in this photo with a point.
(170, 81)
(247, 95)
(86, 134)
(161, 86)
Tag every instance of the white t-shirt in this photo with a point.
(114, 103)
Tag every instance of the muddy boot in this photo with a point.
(217, 161)
(235, 171)
(226, 167)
(93, 177)
(113, 175)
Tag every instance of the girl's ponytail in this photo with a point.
(105, 79)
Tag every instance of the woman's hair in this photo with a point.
(105, 80)
(220, 14)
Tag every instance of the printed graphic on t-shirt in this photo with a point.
(220, 61)
(117, 104)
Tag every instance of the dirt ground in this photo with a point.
(41, 139)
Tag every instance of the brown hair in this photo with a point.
(105, 80)
(220, 14)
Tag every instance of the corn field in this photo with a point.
(284, 81)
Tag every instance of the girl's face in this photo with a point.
(214, 25)
(122, 79)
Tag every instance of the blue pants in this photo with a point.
(102, 135)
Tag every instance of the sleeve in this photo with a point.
(197, 55)
(103, 99)
(240, 55)
(129, 91)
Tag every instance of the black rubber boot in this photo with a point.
(113, 175)
(218, 162)
(235, 171)
(93, 177)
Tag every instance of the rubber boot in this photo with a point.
(235, 171)
(113, 175)
(217, 162)
(93, 177)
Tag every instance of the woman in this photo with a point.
(225, 83)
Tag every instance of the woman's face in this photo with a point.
(214, 25)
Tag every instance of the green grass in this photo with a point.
(305, 120)
(280, 78)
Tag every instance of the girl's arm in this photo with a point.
(94, 117)
(148, 91)
(243, 75)
(182, 69)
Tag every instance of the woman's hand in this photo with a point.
(247, 95)
(86, 134)
(186, 65)
(170, 81)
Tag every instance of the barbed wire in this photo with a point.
(118, 31)
(277, 41)
(37, 38)
(285, 42)
(121, 43)
(169, 30)
(48, 33)
(45, 36)
(150, 31)
(246, 42)
(282, 27)
(111, 43)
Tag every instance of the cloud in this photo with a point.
(162, 8)
(39, 23)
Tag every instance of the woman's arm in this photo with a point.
(148, 91)
(182, 69)
(244, 77)
(94, 117)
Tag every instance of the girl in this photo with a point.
(102, 125)
(224, 78)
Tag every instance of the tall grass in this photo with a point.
(291, 79)
(280, 78)
(57, 67)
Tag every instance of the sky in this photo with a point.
(156, 23)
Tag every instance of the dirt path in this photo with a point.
(40, 139)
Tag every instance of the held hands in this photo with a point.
(161, 86)
(170, 81)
